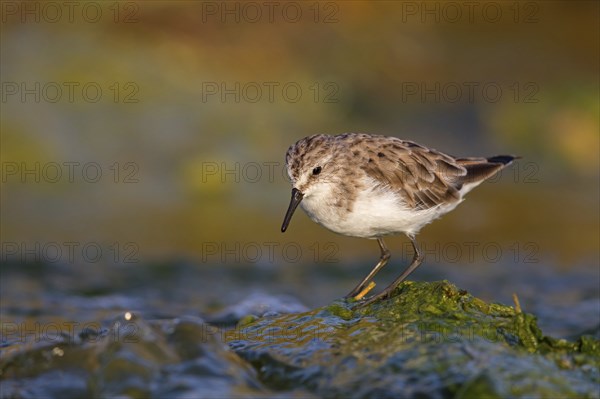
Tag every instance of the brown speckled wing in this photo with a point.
(423, 177)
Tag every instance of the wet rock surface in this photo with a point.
(132, 358)
(431, 340)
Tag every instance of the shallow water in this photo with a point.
(172, 311)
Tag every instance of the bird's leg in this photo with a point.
(383, 259)
(417, 260)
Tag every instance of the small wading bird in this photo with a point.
(372, 186)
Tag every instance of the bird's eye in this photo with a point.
(317, 170)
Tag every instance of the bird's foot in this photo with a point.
(357, 290)
(375, 298)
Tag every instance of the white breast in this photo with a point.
(376, 212)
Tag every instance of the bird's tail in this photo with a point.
(481, 169)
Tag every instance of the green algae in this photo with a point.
(431, 340)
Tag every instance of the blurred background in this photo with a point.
(142, 150)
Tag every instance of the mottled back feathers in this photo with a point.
(421, 176)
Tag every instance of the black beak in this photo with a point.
(295, 201)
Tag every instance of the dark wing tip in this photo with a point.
(503, 159)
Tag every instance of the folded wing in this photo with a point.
(426, 178)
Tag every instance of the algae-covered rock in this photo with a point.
(430, 340)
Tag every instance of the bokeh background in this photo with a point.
(187, 108)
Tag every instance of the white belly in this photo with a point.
(374, 213)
